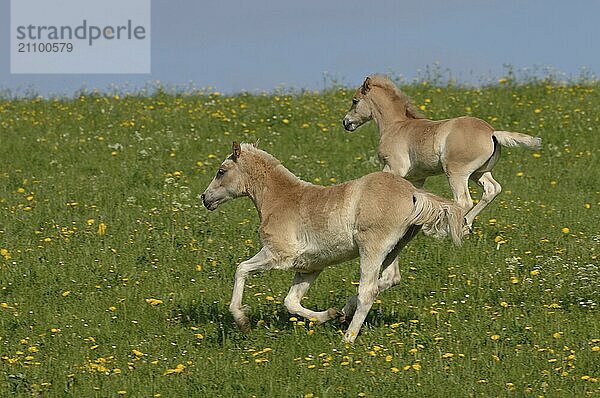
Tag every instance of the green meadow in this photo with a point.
(115, 280)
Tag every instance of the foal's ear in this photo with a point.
(236, 151)
(366, 86)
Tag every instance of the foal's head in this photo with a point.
(369, 97)
(228, 183)
(360, 111)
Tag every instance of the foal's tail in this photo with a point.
(510, 139)
(438, 217)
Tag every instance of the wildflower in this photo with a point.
(198, 267)
(101, 229)
(416, 366)
(137, 353)
(65, 293)
(394, 370)
(199, 336)
(514, 280)
(90, 221)
(557, 335)
(537, 110)
(153, 301)
(5, 253)
(495, 337)
(285, 121)
(177, 369)
(565, 230)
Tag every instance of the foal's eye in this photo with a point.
(220, 172)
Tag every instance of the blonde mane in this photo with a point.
(262, 163)
(388, 85)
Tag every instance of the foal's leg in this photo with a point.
(302, 282)
(459, 183)
(391, 274)
(389, 277)
(370, 263)
(491, 189)
(246, 268)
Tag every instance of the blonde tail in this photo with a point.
(438, 217)
(511, 139)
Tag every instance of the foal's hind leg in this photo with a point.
(389, 277)
(459, 183)
(391, 274)
(370, 262)
(491, 189)
(299, 287)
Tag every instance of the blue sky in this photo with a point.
(261, 45)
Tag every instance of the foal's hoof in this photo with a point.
(243, 324)
(467, 228)
(334, 313)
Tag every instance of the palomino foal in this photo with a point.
(305, 227)
(415, 148)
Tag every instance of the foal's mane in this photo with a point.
(261, 162)
(386, 83)
(267, 158)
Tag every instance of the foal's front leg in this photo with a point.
(259, 262)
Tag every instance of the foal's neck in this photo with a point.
(264, 184)
(387, 110)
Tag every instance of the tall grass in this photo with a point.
(114, 280)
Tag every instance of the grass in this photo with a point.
(114, 280)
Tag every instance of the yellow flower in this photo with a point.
(90, 221)
(66, 293)
(285, 121)
(153, 301)
(416, 366)
(5, 253)
(177, 369)
(537, 110)
(565, 230)
(137, 353)
(101, 229)
(534, 272)
(495, 337)
(557, 335)
(514, 280)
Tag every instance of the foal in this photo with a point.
(305, 227)
(416, 148)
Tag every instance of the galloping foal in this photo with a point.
(305, 227)
(416, 148)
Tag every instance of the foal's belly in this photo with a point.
(317, 254)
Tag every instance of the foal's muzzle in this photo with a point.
(349, 125)
(204, 202)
